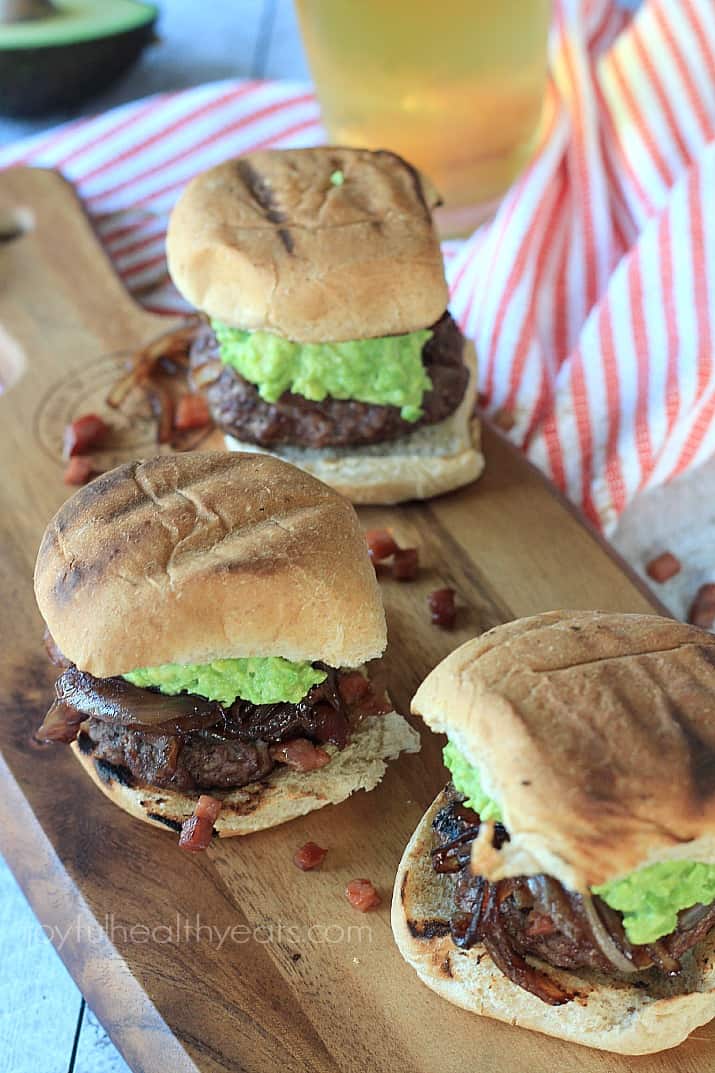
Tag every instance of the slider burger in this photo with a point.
(564, 880)
(212, 614)
(327, 341)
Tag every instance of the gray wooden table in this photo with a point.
(45, 1025)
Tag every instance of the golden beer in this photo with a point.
(455, 87)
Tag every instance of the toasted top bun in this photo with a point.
(269, 242)
(595, 733)
(193, 557)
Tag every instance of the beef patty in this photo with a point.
(536, 916)
(195, 761)
(187, 743)
(239, 410)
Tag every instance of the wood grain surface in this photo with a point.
(234, 959)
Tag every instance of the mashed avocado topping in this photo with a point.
(649, 899)
(387, 371)
(260, 680)
(467, 781)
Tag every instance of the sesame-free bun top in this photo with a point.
(595, 732)
(268, 242)
(193, 557)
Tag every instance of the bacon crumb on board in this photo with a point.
(443, 610)
(362, 895)
(79, 470)
(380, 544)
(83, 434)
(309, 856)
(406, 564)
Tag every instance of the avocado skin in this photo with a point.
(39, 81)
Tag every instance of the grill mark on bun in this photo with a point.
(286, 238)
(166, 581)
(435, 928)
(113, 773)
(85, 743)
(173, 825)
(255, 793)
(702, 756)
(700, 750)
(403, 885)
(414, 176)
(261, 192)
(121, 497)
(445, 967)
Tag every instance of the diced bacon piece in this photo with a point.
(196, 834)
(443, 610)
(362, 895)
(197, 831)
(663, 567)
(406, 564)
(83, 434)
(702, 609)
(191, 412)
(309, 856)
(380, 544)
(79, 470)
(353, 687)
(207, 808)
(300, 754)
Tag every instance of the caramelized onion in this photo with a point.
(551, 898)
(206, 373)
(501, 950)
(690, 917)
(605, 941)
(172, 345)
(663, 958)
(162, 407)
(61, 723)
(113, 700)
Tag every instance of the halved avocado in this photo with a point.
(57, 54)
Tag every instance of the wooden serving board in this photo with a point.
(235, 960)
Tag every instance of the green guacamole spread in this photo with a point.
(386, 371)
(261, 681)
(467, 781)
(649, 899)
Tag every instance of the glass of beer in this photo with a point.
(455, 87)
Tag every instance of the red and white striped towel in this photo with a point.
(591, 296)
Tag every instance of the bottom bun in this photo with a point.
(430, 461)
(283, 795)
(626, 1015)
